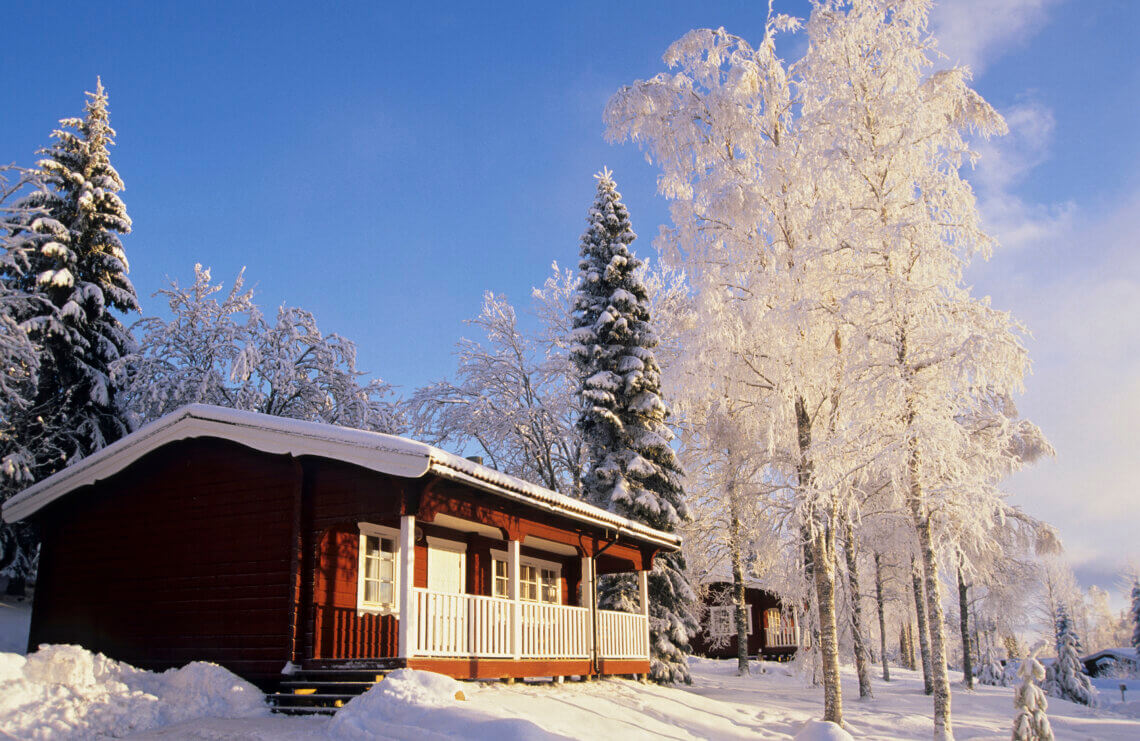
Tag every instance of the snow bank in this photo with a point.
(423, 706)
(822, 730)
(64, 692)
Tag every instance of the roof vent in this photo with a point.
(475, 459)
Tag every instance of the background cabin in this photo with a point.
(773, 629)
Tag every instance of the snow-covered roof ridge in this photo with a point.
(373, 450)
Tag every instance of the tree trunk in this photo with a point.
(738, 598)
(882, 617)
(822, 531)
(823, 545)
(964, 609)
(943, 729)
(923, 629)
(858, 638)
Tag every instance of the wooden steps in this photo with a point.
(322, 691)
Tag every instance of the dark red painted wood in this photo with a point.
(183, 556)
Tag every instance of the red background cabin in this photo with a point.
(772, 629)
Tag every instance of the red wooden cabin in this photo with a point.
(257, 542)
(773, 628)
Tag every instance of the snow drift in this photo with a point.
(424, 706)
(62, 692)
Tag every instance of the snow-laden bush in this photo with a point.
(1031, 723)
(63, 692)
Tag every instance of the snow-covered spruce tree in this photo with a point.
(226, 353)
(1031, 723)
(80, 267)
(631, 469)
(1067, 679)
(1135, 616)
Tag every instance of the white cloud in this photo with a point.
(1078, 289)
(976, 32)
(1005, 163)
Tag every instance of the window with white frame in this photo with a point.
(377, 569)
(539, 581)
(722, 620)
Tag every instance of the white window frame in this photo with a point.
(538, 564)
(720, 613)
(454, 546)
(370, 530)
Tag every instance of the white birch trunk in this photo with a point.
(882, 616)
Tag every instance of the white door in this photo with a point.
(446, 567)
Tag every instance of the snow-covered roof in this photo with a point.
(388, 454)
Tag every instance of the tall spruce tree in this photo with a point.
(631, 468)
(1066, 678)
(80, 268)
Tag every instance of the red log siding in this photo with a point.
(183, 556)
(760, 601)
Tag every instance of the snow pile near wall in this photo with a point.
(423, 706)
(62, 692)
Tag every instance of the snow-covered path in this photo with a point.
(719, 705)
(772, 703)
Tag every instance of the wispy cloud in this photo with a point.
(1004, 165)
(976, 32)
(1078, 289)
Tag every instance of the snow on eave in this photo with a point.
(451, 466)
(278, 435)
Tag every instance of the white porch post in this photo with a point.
(588, 598)
(407, 549)
(643, 596)
(516, 607)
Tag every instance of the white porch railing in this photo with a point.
(622, 635)
(782, 637)
(554, 631)
(473, 626)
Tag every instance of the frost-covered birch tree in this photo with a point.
(23, 437)
(722, 129)
(218, 348)
(514, 397)
(897, 135)
(631, 468)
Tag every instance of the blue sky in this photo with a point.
(383, 164)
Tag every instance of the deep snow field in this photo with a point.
(68, 693)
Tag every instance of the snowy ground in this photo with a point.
(64, 697)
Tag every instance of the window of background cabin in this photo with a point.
(722, 620)
(377, 569)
